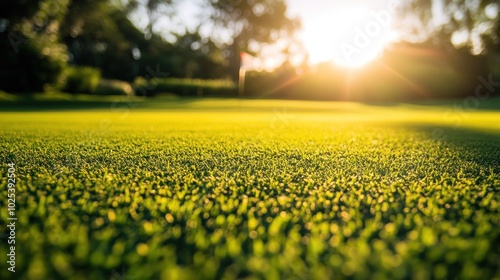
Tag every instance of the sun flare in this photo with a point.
(348, 35)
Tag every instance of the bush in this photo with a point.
(81, 79)
(185, 87)
(114, 87)
(31, 66)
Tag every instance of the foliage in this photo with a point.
(105, 39)
(469, 19)
(81, 79)
(36, 39)
(198, 57)
(250, 23)
(186, 87)
(252, 20)
(32, 57)
(114, 87)
(154, 10)
(321, 191)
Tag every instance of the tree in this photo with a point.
(31, 54)
(466, 31)
(465, 23)
(153, 8)
(198, 56)
(250, 23)
(100, 35)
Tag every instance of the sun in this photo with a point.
(347, 35)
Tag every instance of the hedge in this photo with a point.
(185, 87)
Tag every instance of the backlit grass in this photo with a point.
(232, 189)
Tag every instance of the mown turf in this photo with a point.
(253, 190)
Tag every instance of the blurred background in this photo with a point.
(296, 49)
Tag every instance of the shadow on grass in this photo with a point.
(64, 101)
(481, 147)
(55, 102)
(56, 105)
(490, 104)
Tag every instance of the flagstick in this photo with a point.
(241, 88)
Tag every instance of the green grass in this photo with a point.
(205, 189)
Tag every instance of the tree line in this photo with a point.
(41, 39)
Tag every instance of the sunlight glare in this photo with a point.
(349, 36)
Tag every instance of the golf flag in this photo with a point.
(245, 65)
(245, 61)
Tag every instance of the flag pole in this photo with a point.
(241, 84)
(241, 75)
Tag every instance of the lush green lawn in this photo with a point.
(190, 189)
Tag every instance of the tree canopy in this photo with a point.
(464, 23)
(250, 24)
(40, 39)
(44, 35)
